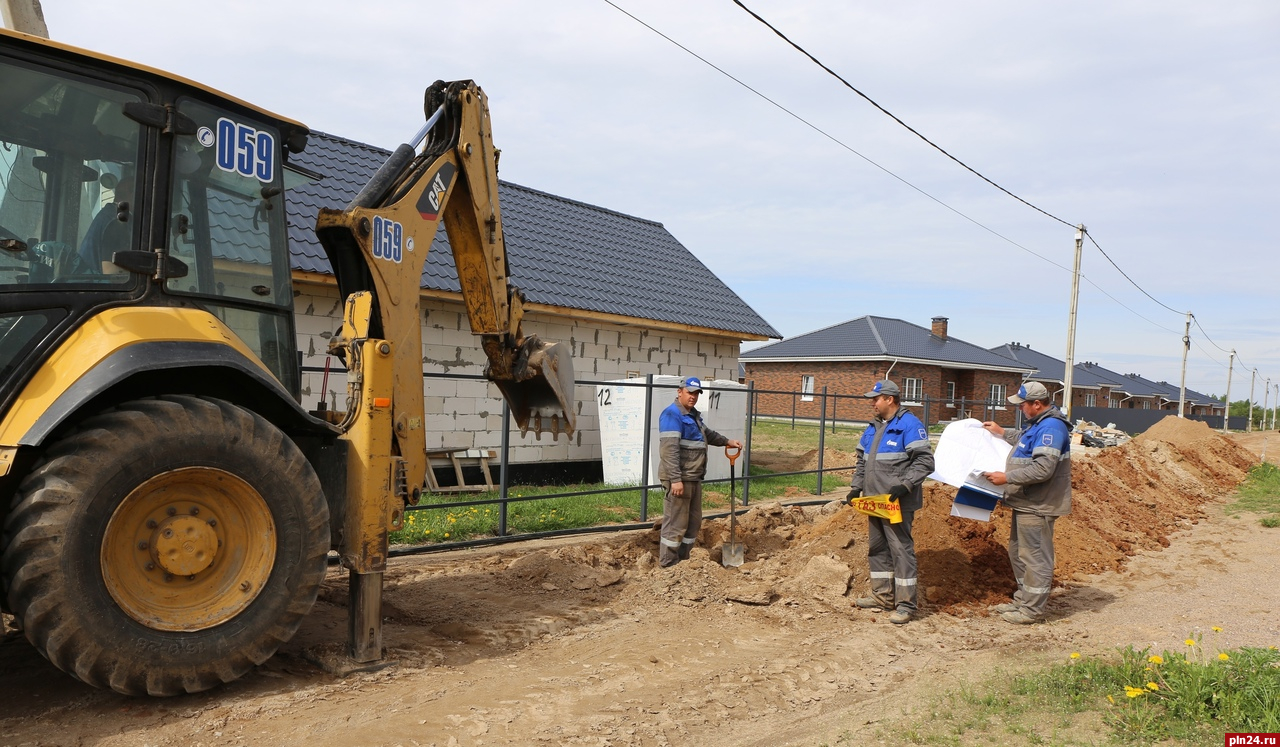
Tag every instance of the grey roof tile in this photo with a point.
(560, 251)
(1049, 368)
(880, 338)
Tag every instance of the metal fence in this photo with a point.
(505, 498)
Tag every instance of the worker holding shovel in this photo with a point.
(894, 458)
(682, 446)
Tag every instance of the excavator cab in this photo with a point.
(109, 196)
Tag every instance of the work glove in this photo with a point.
(899, 491)
(855, 493)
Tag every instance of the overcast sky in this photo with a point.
(1154, 123)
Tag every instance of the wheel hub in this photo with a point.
(188, 549)
(184, 545)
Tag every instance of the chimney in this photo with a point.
(940, 326)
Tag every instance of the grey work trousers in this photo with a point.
(681, 522)
(891, 554)
(1031, 555)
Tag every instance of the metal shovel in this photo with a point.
(731, 552)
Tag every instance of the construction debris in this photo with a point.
(1092, 434)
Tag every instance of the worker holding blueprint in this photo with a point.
(1037, 485)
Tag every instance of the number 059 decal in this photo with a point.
(388, 239)
(243, 150)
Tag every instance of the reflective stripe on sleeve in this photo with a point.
(1048, 450)
(668, 434)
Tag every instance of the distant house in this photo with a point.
(1089, 387)
(621, 291)
(949, 377)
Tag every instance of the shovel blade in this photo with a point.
(731, 554)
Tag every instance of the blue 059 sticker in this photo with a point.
(388, 239)
(241, 149)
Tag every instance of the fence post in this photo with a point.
(835, 400)
(822, 436)
(644, 465)
(793, 411)
(502, 468)
(925, 400)
(746, 447)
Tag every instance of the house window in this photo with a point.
(1146, 404)
(912, 389)
(997, 394)
(806, 388)
(951, 394)
(1113, 402)
(1090, 399)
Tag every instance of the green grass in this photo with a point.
(1259, 494)
(1191, 696)
(778, 435)
(528, 516)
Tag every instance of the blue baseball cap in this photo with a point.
(691, 384)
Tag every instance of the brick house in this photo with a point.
(607, 284)
(955, 378)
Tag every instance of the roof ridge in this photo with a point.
(876, 334)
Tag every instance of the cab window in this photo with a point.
(68, 156)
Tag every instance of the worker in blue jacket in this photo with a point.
(1037, 480)
(682, 463)
(894, 457)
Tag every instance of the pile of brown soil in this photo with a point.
(1125, 499)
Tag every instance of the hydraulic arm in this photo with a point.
(377, 247)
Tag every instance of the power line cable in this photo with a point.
(894, 117)
(836, 140)
(937, 147)
(903, 180)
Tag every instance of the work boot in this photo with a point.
(1017, 617)
(900, 617)
(684, 551)
(1000, 609)
(870, 603)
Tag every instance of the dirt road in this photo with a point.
(587, 643)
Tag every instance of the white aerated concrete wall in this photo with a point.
(467, 414)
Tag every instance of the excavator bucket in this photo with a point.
(540, 391)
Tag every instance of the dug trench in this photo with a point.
(589, 642)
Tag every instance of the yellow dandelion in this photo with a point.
(1133, 692)
(446, 535)
(1223, 657)
(1155, 659)
(1075, 655)
(1216, 629)
(1111, 700)
(1152, 686)
(1190, 642)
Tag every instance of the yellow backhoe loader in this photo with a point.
(169, 507)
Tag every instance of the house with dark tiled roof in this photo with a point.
(623, 292)
(1089, 386)
(956, 378)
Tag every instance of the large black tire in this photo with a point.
(104, 532)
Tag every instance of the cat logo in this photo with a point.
(432, 199)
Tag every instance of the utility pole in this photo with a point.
(24, 15)
(1252, 379)
(1266, 392)
(1226, 415)
(1275, 407)
(1186, 347)
(1071, 327)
